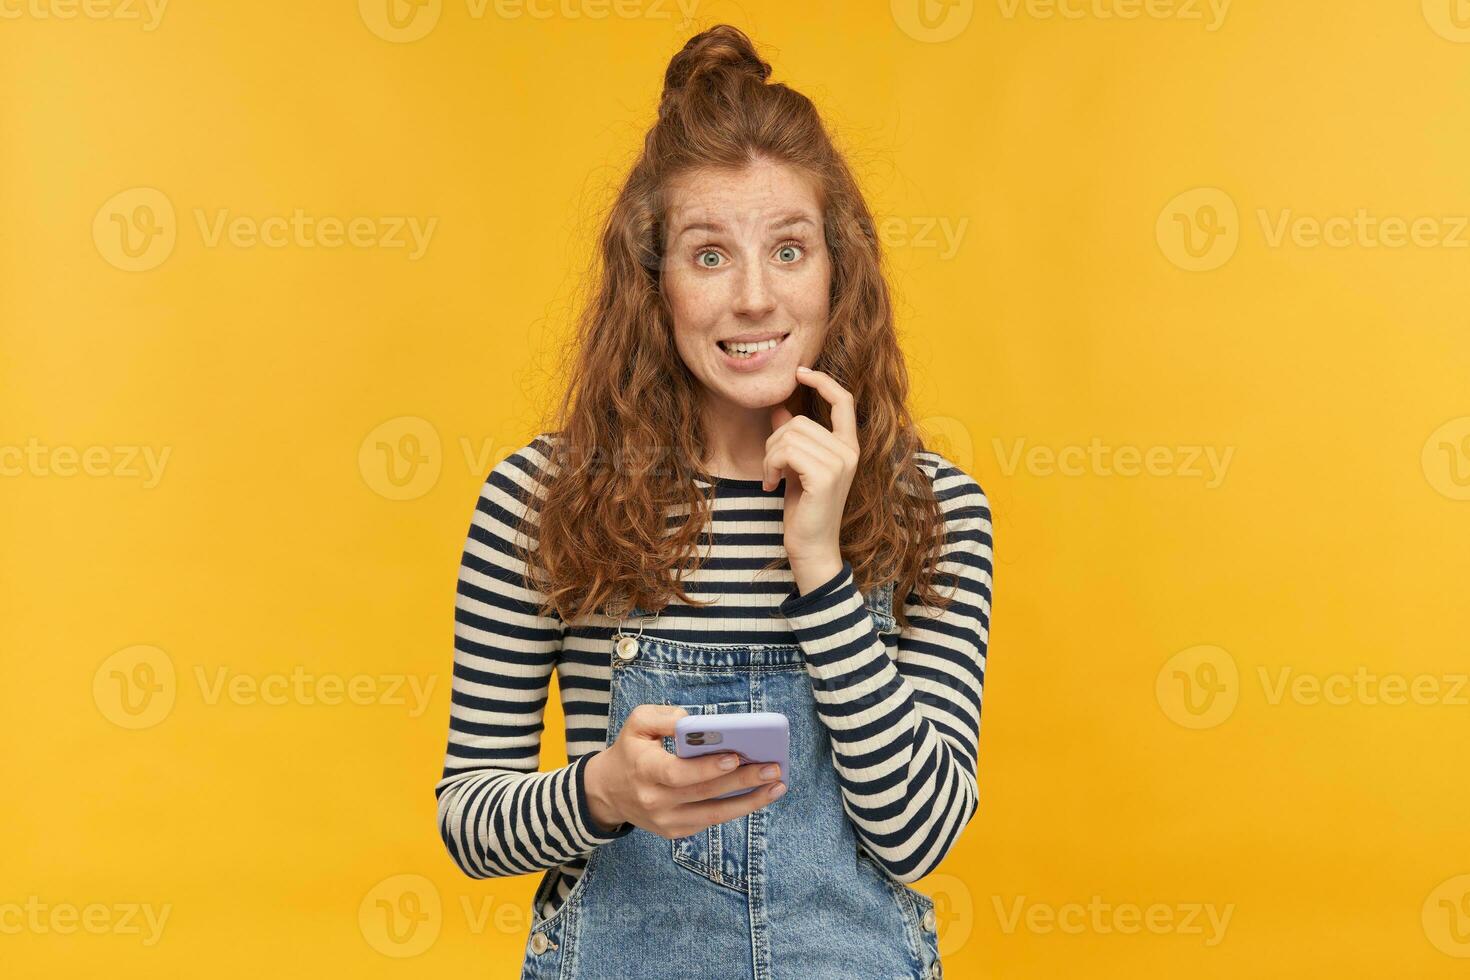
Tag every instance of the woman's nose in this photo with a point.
(754, 296)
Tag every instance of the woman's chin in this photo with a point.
(756, 392)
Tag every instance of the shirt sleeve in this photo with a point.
(904, 730)
(497, 814)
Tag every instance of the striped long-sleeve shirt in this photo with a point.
(904, 725)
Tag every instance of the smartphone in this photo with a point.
(755, 736)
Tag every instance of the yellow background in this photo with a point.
(1068, 309)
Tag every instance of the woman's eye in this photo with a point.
(700, 257)
(784, 249)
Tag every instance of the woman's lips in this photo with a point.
(755, 361)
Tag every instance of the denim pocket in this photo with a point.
(719, 851)
(549, 925)
(918, 913)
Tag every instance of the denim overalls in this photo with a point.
(783, 893)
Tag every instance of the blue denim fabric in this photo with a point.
(784, 893)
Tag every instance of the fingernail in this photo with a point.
(777, 790)
(770, 772)
(728, 762)
(802, 367)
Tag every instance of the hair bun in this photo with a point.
(720, 49)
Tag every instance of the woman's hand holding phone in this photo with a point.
(635, 780)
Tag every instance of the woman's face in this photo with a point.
(746, 257)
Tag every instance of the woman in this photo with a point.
(743, 512)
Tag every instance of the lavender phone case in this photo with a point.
(756, 736)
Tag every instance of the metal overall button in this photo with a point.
(539, 943)
(626, 645)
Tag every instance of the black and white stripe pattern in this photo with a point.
(904, 722)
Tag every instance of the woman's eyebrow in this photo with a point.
(717, 228)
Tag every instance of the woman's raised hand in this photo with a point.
(818, 465)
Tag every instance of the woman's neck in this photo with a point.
(736, 438)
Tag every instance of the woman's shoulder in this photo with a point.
(966, 512)
(522, 473)
(954, 487)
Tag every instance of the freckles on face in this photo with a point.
(745, 256)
